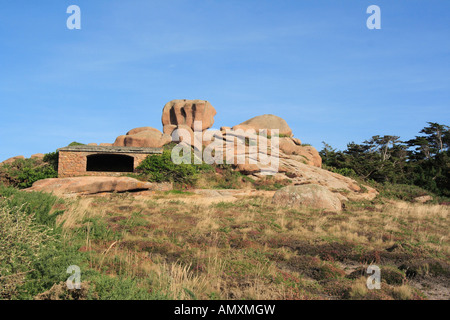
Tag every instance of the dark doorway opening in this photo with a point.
(110, 163)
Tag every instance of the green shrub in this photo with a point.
(52, 159)
(160, 168)
(403, 192)
(348, 172)
(75, 144)
(21, 243)
(33, 256)
(392, 275)
(37, 204)
(22, 173)
(228, 179)
(51, 266)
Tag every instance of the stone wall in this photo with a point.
(73, 161)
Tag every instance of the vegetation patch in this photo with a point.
(22, 173)
(401, 169)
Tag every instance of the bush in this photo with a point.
(52, 159)
(22, 173)
(35, 204)
(348, 172)
(160, 168)
(75, 144)
(403, 192)
(223, 176)
(51, 266)
(392, 275)
(21, 244)
(32, 255)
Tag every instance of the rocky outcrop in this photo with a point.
(296, 162)
(266, 122)
(300, 173)
(310, 195)
(143, 137)
(291, 147)
(39, 156)
(11, 160)
(186, 112)
(299, 164)
(141, 129)
(423, 199)
(243, 149)
(92, 185)
(184, 133)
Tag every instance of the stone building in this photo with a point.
(84, 160)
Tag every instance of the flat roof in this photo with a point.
(110, 149)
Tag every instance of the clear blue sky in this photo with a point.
(313, 63)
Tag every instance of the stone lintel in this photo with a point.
(110, 149)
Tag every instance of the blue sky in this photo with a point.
(313, 63)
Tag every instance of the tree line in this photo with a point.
(423, 161)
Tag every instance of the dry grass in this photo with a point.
(252, 249)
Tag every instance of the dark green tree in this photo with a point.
(423, 161)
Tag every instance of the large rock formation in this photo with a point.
(246, 149)
(11, 160)
(300, 173)
(38, 156)
(287, 143)
(142, 129)
(143, 137)
(300, 164)
(309, 153)
(310, 195)
(92, 185)
(186, 112)
(268, 122)
(185, 134)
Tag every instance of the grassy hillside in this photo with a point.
(177, 245)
